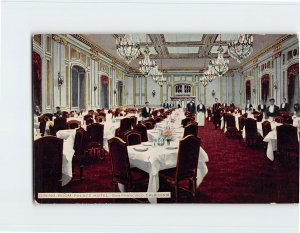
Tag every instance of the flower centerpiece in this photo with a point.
(168, 134)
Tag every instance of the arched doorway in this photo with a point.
(78, 87)
(265, 87)
(104, 99)
(37, 80)
(293, 84)
(248, 90)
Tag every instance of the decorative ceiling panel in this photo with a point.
(183, 50)
(182, 37)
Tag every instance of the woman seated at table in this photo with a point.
(201, 114)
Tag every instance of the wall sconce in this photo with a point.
(253, 90)
(275, 85)
(115, 91)
(213, 93)
(240, 92)
(153, 93)
(60, 79)
(95, 88)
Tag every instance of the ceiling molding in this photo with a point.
(95, 47)
(254, 57)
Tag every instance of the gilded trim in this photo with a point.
(272, 46)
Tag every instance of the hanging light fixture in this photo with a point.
(203, 81)
(241, 48)
(127, 48)
(146, 64)
(162, 80)
(220, 65)
(209, 74)
(154, 73)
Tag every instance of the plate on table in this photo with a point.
(140, 149)
(147, 143)
(171, 147)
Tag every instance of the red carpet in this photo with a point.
(236, 174)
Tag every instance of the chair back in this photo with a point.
(119, 161)
(287, 119)
(125, 124)
(132, 137)
(241, 120)
(259, 117)
(250, 127)
(73, 124)
(80, 142)
(47, 153)
(89, 120)
(266, 128)
(186, 121)
(60, 123)
(188, 156)
(133, 121)
(142, 129)
(95, 133)
(191, 129)
(148, 124)
(287, 138)
(230, 121)
(279, 119)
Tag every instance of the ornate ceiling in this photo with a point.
(181, 52)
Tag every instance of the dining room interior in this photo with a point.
(165, 118)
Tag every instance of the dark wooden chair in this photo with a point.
(252, 136)
(231, 126)
(122, 173)
(133, 121)
(125, 124)
(191, 129)
(186, 121)
(142, 129)
(73, 124)
(132, 137)
(47, 155)
(186, 168)
(287, 140)
(80, 143)
(266, 128)
(278, 119)
(95, 140)
(148, 124)
(89, 120)
(287, 119)
(60, 123)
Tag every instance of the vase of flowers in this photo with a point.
(168, 135)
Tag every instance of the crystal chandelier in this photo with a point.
(127, 48)
(146, 64)
(209, 74)
(220, 65)
(203, 80)
(241, 48)
(154, 73)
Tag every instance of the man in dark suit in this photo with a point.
(146, 110)
(231, 104)
(191, 107)
(58, 112)
(248, 106)
(272, 110)
(261, 107)
(216, 113)
(166, 105)
(201, 107)
(284, 107)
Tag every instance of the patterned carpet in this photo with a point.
(236, 174)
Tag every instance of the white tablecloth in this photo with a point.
(68, 153)
(159, 158)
